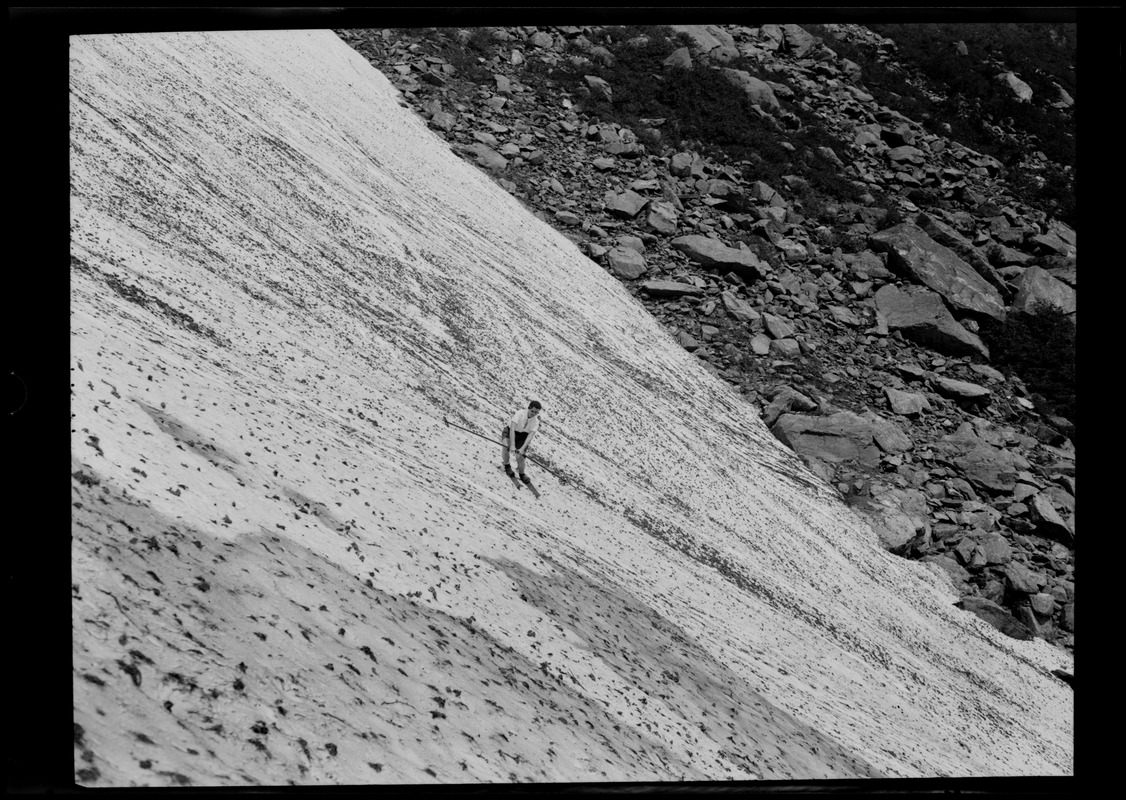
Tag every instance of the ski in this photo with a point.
(515, 481)
(527, 482)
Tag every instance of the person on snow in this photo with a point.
(518, 434)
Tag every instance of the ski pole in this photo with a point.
(498, 441)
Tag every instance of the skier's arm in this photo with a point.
(528, 442)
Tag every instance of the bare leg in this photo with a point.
(504, 447)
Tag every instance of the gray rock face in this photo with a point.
(1037, 285)
(920, 315)
(714, 253)
(911, 252)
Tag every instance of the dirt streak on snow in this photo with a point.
(286, 568)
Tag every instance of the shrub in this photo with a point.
(1038, 347)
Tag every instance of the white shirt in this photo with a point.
(524, 423)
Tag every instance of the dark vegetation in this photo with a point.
(705, 111)
(1039, 348)
(960, 97)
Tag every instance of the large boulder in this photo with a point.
(833, 439)
(992, 469)
(948, 236)
(1036, 285)
(757, 91)
(920, 315)
(896, 515)
(914, 254)
(714, 253)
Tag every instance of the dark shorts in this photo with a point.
(520, 437)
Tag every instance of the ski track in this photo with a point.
(287, 569)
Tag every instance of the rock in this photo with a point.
(995, 615)
(599, 88)
(993, 547)
(889, 436)
(896, 514)
(911, 252)
(1021, 579)
(672, 289)
(1049, 244)
(706, 38)
(485, 156)
(443, 120)
(843, 436)
(988, 372)
(542, 40)
(920, 315)
(626, 262)
(908, 154)
(740, 309)
(757, 91)
(760, 344)
(1043, 604)
(777, 327)
(680, 59)
(627, 204)
(986, 467)
(797, 40)
(845, 316)
(785, 348)
(714, 253)
(1036, 285)
(906, 404)
(568, 218)
(1048, 520)
(1021, 89)
(662, 217)
(959, 390)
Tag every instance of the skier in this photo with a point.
(518, 434)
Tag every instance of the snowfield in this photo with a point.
(288, 569)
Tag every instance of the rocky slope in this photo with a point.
(865, 359)
(287, 570)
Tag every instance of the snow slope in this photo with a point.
(288, 569)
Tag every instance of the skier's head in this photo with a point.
(535, 406)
